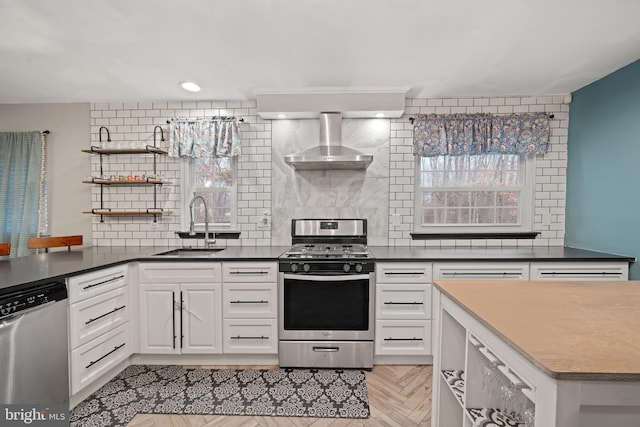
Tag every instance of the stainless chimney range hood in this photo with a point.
(330, 154)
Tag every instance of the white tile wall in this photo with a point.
(133, 122)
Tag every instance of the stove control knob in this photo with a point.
(346, 268)
(306, 267)
(358, 268)
(294, 268)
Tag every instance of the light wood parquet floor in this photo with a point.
(398, 396)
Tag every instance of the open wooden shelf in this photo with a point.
(147, 181)
(147, 150)
(107, 212)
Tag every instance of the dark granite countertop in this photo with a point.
(34, 269)
(554, 253)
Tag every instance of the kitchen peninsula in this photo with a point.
(573, 348)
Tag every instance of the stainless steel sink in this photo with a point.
(191, 252)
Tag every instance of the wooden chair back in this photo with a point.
(5, 249)
(54, 242)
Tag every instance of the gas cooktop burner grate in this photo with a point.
(327, 250)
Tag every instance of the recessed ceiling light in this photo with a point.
(190, 86)
(282, 116)
(379, 115)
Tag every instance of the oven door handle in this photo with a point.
(327, 278)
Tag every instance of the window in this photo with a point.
(213, 178)
(474, 193)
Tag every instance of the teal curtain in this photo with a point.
(204, 137)
(21, 166)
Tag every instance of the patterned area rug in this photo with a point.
(156, 389)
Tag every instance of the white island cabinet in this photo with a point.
(568, 352)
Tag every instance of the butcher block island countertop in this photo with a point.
(570, 330)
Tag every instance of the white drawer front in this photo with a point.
(249, 300)
(98, 356)
(402, 272)
(579, 271)
(249, 272)
(94, 283)
(93, 317)
(481, 271)
(403, 302)
(403, 338)
(180, 272)
(250, 336)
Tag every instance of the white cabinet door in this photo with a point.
(481, 271)
(403, 337)
(159, 318)
(180, 318)
(403, 302)
(200, 329)
(244, 271)
(249, 300)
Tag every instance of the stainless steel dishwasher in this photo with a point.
(33, 345)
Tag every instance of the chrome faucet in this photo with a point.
(192, 231)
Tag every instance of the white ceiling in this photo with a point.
(106, 50)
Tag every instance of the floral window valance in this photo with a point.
(458, 134)
(204, 137)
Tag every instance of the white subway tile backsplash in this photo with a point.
(135, 122)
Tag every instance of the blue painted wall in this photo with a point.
(603, 171)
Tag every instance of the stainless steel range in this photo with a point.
(326, 295)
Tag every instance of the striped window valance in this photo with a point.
(204, 137)
(460, 134)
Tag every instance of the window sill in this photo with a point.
(469, 236)
(212, 235)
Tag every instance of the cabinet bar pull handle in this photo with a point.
(404, 303)
(173, 317)
(400, 273)
(403, 339)
(113, 279)
(482, 273)
(116, 348)
(181, 318)
(104, 315)
(326, 349)
(249, 302)
(250, 338)
(248, 272)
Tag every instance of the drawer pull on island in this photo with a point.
(104, 315)
(116, 348)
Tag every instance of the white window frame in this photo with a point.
(526, 211)
(187, 186)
